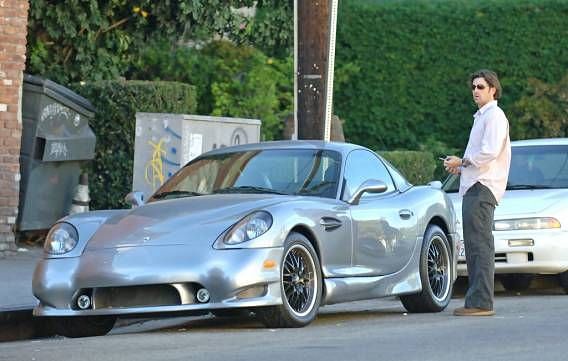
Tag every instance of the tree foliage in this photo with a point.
(544, 113)
(271, 29)
(77, 40)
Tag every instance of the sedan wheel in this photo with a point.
(300, 285)
(435, 274)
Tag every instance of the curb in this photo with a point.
(18, 323)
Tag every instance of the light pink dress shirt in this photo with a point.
(488, 150)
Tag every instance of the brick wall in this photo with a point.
(13, 30)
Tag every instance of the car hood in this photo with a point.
(179, 221)
(521, 202)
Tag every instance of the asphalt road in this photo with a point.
(529, 326)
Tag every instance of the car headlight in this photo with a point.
(62, 238)
(522, 224)
(250, 227)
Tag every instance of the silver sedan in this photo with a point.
(530, 229)
(277, 228)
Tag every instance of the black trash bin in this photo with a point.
(56, 142)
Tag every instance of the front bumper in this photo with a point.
(547, 255)
(226, 274)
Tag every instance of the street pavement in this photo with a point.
(17, 301)
(16, 273)
(527, 327)
(16, 297)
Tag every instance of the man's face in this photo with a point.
(482, 92)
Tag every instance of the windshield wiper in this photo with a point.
(247, 189)
(527, 186)
(176, 194)
(316, 188)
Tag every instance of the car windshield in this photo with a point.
(277, 171)
(532, 167)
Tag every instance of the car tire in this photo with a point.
(436, 274)
(83, 326)
(563, 280)
(516, 282)
(300, 286)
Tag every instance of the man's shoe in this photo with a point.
(464, 311)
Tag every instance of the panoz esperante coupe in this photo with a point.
(278, 229)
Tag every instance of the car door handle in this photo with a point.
(405, 213)
(330, 223)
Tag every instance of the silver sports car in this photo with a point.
(278, 229)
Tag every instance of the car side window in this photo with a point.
(362, 165)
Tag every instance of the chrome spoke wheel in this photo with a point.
(299, 280)
(438, 268)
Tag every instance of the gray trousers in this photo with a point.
(477, 216)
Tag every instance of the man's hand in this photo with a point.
(452, 161)
(452, 164)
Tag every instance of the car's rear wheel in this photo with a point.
(516, 282)
(563, 280)
(85, 326)
(435, 274)
(300, 285)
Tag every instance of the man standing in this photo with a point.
(484, 171)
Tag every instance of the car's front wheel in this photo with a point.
(85, 326)
(300, 285)
(435, 274)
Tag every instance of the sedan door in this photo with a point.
(384, 225)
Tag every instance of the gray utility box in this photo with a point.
(56, 141)
(165, 142)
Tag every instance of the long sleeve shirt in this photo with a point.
(488, 151)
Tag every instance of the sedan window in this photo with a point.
(532, 167)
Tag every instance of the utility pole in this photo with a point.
(314, 53)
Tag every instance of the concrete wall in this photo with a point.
(13, 30)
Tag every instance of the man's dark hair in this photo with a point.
(491, 79)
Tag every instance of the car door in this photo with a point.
(384, 225)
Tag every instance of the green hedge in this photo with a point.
(116, 102)
(418, 167)
(411, 61)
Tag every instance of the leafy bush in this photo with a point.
(116, 103)
(418, 167)
(232, 81)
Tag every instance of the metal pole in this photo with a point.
(330, 70)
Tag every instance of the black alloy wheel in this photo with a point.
(300, 285)
(436, 274)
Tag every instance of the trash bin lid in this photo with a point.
(59, 90)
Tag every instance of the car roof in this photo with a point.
(343, 148)
(537, 142)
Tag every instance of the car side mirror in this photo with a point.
(435, 184)
(135, 199)
(369, 186)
